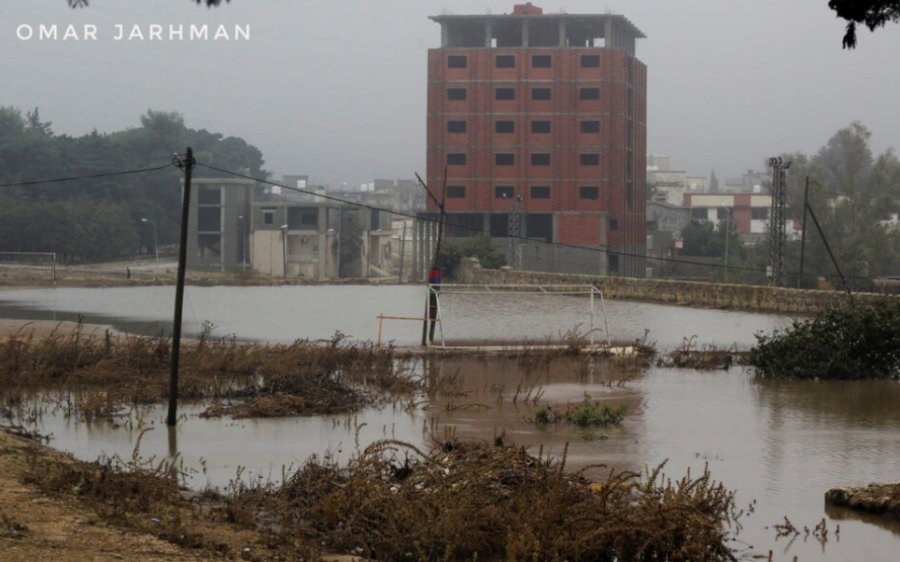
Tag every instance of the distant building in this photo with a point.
(233, 226)
(302, 239)
(664, 225)
(748, 211)
(218, 225)
(539, 121)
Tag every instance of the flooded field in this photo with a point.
(286, 313)
(782, 444)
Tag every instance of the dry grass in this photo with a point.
(705, 357)
(103, 376)
(456, 502)
(468, 501)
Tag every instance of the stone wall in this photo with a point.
(685, 293)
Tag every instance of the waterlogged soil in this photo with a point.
(780, 444)
(35, 526)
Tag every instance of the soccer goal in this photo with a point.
(508, 315)
(29, 263)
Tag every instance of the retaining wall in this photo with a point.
(686, 293)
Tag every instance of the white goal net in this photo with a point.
(485, 315)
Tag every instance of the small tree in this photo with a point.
(480, 246)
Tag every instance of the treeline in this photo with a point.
(100, 219)
(855, 195)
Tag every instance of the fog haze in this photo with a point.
(337, 90)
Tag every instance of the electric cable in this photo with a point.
(85, 177)
(468, 227)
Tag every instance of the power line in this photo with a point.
(468, 227)
(85, 177)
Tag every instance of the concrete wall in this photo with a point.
(686, 293)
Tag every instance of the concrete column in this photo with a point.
(445, 35)
(524, 33)
(488, 32)
(562, 32)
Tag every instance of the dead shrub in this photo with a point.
(104, 376)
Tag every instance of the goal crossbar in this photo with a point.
(537, 289)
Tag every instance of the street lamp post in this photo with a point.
(155, 242)
(727, 236)
(243, 230)
(284, 229)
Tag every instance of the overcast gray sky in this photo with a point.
(336, 89)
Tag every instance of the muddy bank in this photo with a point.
(143, 273)
(35, 525)
(392, 501)
(879, 499)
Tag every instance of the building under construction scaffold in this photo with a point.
(777, 235)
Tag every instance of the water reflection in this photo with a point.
(782, 443)
(287, 313)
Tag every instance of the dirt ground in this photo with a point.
(35, 527)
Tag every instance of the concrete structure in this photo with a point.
(318, 241)
(218, 226)
(760, 298)
(235, 226)
(547, 113)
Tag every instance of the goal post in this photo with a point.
(27, 262)
(498, 309)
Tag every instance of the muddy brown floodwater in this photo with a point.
(780, 443)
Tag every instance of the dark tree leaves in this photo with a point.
(872, 13)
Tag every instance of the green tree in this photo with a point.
(29, 150)
(852, 193)
(871, 13)
(453, 250)
(704, 239)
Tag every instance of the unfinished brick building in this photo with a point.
(538, 122)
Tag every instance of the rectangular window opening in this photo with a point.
(456, 126)
(540, 61)
(589, 159)
(505, 61)
(209, 196)
(504, 126)
(540, 159)
(540, 192)
(457, 61)
(456, 94)
(540, 93)
(589, 126)
(540, 126)
(504, 159)
(456, 159)
(504, 191)
(588, 192)
(589, 93)
(505, 94)
(590, 61)
(456, 192)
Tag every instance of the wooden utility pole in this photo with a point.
(432, 304)
(188, 165)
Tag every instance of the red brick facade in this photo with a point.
(571, 141)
